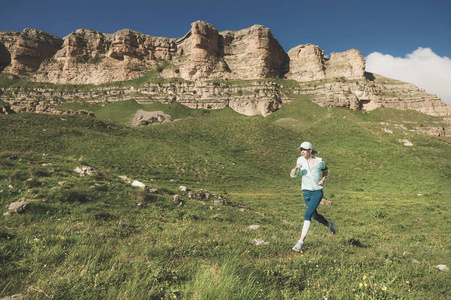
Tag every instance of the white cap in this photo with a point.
(307, 146)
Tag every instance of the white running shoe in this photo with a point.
(332, 227)
(298, 247)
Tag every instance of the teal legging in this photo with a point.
(312, 200)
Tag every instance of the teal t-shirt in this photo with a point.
(310, 177)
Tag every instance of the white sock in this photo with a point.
(306, 227)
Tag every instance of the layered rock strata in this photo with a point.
(205, 53)
(91, 57)
(256, 98)
(23, 53)
(240, 61)
(307, 63)
(249, 98)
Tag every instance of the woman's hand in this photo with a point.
(321, 182)
(293, 172)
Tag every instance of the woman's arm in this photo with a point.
(325, 174)
(295, 172)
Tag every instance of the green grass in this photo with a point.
(86, 237)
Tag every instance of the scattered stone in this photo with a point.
(153, 190)
(253, 227)
(220, 202)
(325, 202)
(140, 205)
(46, 164)
(138, 184)
(415, 261)
(62, 182)
(184, 188)
(259, 242)
(259, 213)
(420, 219)
(125, 178)
(176, 199)
(406, 142)
(17, 207)
(199, 197)
(145, 118)
(242, 210)
(85, 170)
(442, 267)
(13, 297)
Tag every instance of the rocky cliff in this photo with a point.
(205, 53)
(249, 66)
(23, 53)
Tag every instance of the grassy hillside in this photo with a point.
(98, 237)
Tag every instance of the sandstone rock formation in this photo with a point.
(198, 55)
(204, 69)
(349, 64)
(26, 51)
(307, 63)
(254, 53)
(91, 57)
(205, 53)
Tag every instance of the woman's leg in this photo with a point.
(312, 200)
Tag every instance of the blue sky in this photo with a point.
(396, 28)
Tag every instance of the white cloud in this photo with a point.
(422, 67)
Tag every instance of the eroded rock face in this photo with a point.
(349, 64)
(27, 50)
(7, 41)
(205, 53)
(91, 57)
(307, 63)
(254, 53)
(367, 95)
(199, 57)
